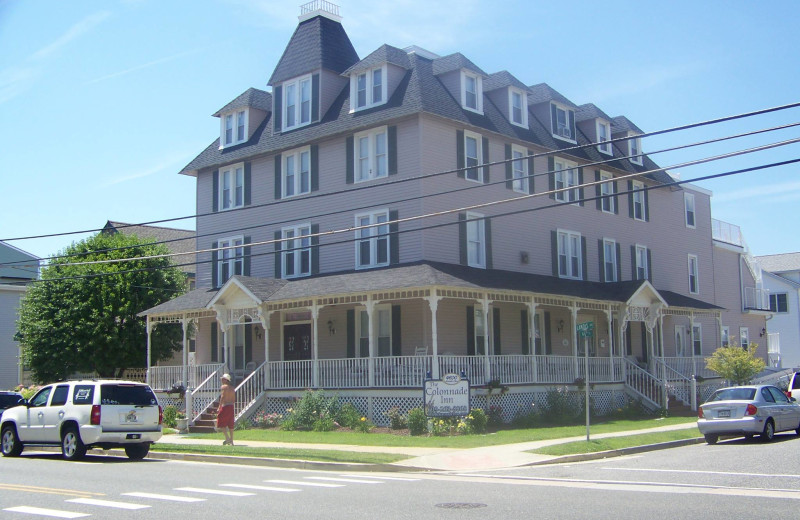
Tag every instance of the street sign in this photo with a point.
(586, 329)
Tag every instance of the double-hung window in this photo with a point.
(297, 172)
(519, 169)
(607, 202)
(471, 91)
(569, 255)
(635, 150)
(231, 258)
(778, 303)
(562, 122)
(372, 239)
(697, 339)
(688, 201)
(604, 138)
(642, 267)
(694, 285)
(610, 260)
(744, 337)
(476, 240)
(368, 88)
(726, 336)
(566, 176)
(296, 251)
(382, 316)
(639, 202)
(234, 128)
(473, 156)
(518, 107)
(231, 181)
(371, 155)
(297, 103)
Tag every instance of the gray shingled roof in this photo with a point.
(623, 124)
(176, 240)
(543, 93)
(384, 54)
(590, 111)
(191, 301)
(317, 43)
(503, 79)
(781, 263)
(455, 61)
(252, 98)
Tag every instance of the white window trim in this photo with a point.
(725, 335)
(478, 91)
(688, 199)
(370, 102)
(608, 198)
(234, 136)
(476, 222)
(296, 154)
(680, 332)
(520, 185)
(479, 146)
(643, 250)
(604, 146)
(693, 273)
(296, 243)
(372, 156)
(744, 332)
(633, 144)
(697, 336)
(373, 232)
(480, 317)
(638, 193)
(569, 236)
(233, 170)
(564, 172)
(298, 102)
(387, 308)
(524, 107)
(231, 260)
(555, 131)
(774, 296)
(613, 244)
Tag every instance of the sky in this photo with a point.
(103, 103)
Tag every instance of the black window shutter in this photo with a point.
(553, 120)
(616, 197)
(397, 348)
(314, 167)
(391, 136)
(394, 238)
(628, 337)
(214, 269)
(630, 199)
(485, 158)
(524, 340)
(496, 330)
(349, 172)
(619, 262)
(246, 259)
(278, 177)
(646, 206)
(597, 191)
(584, 260)
(460, 160)
(247, 184)
(548, 344)
(278, 256)
(351, 333)
(509, 169)
(462, 239)
(530, 172)
(315, 97)
(248, 342)
(601, 256)
(572, 124)
(554, 251)
(551, 176)
(633, 263)
(277, 108)
(215, 191)
(470, 330)
(580, 183)
(214, 342)
(649, 265)
(314, 249)
(487, 235)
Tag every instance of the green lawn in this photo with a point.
(616, 443)
(280, 453)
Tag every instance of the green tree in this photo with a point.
(737, 365)
(82, 317)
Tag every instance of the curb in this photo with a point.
(620, 452)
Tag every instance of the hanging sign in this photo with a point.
(446, 397)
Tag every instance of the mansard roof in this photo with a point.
(543, 93)
(384, 54)
(455, 61)
(623, 124)
(250, 98)
(317, 43)
(503, 79)
(590, 111)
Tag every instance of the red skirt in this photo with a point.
(225, 417)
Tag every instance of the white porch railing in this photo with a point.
(291, 374)
(678, 385)
(755, 298)
(689, 366)
(473, 367)
(199, 399)
(249, 390)
(644, 384)
(344, 373)
(401, 371)
(163, 377)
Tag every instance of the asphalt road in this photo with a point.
(734, 479)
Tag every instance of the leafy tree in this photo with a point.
(737, 365)
(82, 317)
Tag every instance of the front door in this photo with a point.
(297, 342)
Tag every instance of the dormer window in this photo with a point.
(234, 128)
(603, 138)
(297, 103)
(471, 92)
(635, 150)
(368, 88)
(518, 107)
(563, 122)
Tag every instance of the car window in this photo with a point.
(779, 396)
(8, 400)
(134, 395)
(83, 394)
(796, 382)
(734, 394)
(60, 395)
(40, 399)
(765, 393)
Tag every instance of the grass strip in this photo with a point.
(616, 443)
(282, 453)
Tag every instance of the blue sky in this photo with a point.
(102, 103)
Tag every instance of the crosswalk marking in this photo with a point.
(348, 480)
(261, 488)
(157, 496)
(381, 477)
(215, 492)
(301, 483)
(45, 512)
(107, 503)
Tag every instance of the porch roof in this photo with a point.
(194, 300)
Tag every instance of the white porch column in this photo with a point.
(149, 327)
(370, 308)
(487, 368)
(315, 346)
(574, 317)
(610, 329)
(532, 340)
(264, 319)
(433, 303)
(185, 368)
(691, 346)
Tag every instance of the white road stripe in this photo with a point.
(45, 512)
(404, 479)
(262, 488)
(215, 492)
(300, 483)
(107, 503)
(348, 480)
(173, 498)
(700, 472)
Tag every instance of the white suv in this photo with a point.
(77, 415)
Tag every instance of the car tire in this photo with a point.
(137, 451)
(797, 430)
(72, 447)
(711, 439)
(769, 431)
(11, 445)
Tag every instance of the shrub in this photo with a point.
(268, 420)
(417, 422)
(443, 426)
(562, 408)
(313, 406)
(349, 416)
(363, 425)
(170, 414)
(495, 416)
(477, 421)
(324, 424)
(397, 421)
(528, 418)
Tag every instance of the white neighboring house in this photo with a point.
(17, 269)
(782, 279)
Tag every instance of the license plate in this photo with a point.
(724, 413)
(133, 436)
(129, 418)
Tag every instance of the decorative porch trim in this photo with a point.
(282, 306)
(178, 317)
(236, 315)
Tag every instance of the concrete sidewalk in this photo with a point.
(427, 459)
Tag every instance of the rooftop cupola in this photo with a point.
(319, 8)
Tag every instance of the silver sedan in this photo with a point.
(748, 410)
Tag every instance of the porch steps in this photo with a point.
(207, 421)
(677, 408)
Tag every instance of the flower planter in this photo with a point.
(182, 425)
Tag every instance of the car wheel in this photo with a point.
(711, 439)
(72, 447)
(11, 445)
(137, 451)
(769, 431)
(797, 430)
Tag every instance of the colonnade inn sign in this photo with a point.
(446, 397)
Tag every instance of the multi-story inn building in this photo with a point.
(369, 221)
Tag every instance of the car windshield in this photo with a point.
(734, 394)
(8, 400)
(135, 395)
